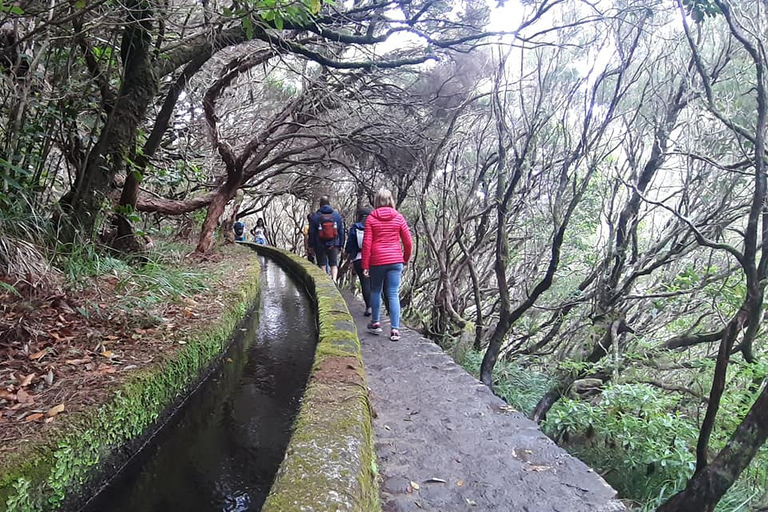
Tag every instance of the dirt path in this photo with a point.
(439, 428)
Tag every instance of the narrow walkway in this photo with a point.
(446, 443)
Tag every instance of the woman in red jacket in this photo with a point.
(383, 258)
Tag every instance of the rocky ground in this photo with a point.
(446, 443)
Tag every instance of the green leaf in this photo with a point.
(9, 288)
(279, 23)
(248, 26)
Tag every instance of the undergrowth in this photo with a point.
(518, 387)
(639, 438)
(31, 260)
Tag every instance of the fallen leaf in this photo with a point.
(34, 417)
(23, 397)
(53, 411)
(507, 408)
(48, 420)
(460, 483)
(48, 377)
(471, 503)
(7, 395)
(538, 468)
(75, 362)
(108, 353)
(38, 355)
(112, 338)
(26, 381)
(434, 479)
(415, 485)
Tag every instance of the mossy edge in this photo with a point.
(41, 477)
(330, 463)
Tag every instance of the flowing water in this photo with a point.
(221, 450)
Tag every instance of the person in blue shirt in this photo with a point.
(239, 229)
(326, 235)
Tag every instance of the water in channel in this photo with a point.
(221, 450)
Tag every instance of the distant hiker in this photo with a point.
(354, 250)
(383, 258)
(307, 245)
(326, 235)
(259, 232)
(239, 229)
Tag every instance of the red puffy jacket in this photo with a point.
(384, 228)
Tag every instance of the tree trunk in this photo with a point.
(83, 202)
(225, 228)
(215, 210)
(126, 240)
(708, 486)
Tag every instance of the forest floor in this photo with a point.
(69, 347)
(446, 443)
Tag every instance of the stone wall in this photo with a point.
(330, 464)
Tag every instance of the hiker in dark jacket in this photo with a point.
(354, 250)
(326, 235)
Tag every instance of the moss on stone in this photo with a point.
(330, 461)
(42, 477)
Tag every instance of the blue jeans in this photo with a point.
(388, 278)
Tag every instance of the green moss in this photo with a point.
(330, 462)
(41, 478)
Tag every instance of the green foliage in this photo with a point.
(155, 282)
(9, 288)
(144, 290)
(701, 9)
(630, 436)
(86, 260)
(520, 388)
(12, 181)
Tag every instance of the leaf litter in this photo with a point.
(53, 359)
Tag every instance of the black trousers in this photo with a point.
(365, 282)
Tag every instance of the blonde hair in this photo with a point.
(383, 198)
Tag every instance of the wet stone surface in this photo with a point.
(446, 443)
